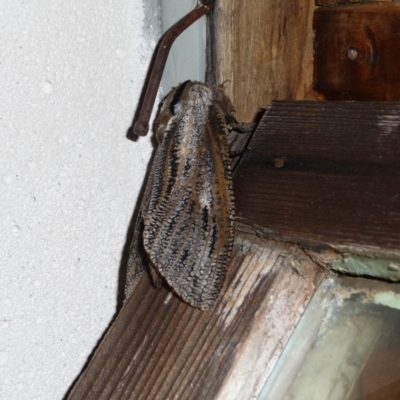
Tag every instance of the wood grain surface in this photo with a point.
(371, 71)
(265, 50)
(160, 348)
(330, 3)
(324, 172)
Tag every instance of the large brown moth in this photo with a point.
(184, 230)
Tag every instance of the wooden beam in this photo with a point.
(326, 174)
(357, 52)
(265, 49)
(159, 347)
(330, 3)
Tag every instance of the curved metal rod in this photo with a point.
(141, 126)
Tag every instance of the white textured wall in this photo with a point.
(71, 73)
(187, 56)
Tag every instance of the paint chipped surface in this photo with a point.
(388, 299)
(288, 278)
(352, 323)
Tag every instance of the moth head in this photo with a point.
(189, 95)
(169, 108)
(184, 98)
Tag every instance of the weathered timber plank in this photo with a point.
(324, 173)
(357, 52)
(346, 2)
(265, 49)
(159, 347)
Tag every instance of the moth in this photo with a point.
(184, 230)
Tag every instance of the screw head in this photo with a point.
(352, 53)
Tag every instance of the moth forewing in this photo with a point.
(188, 211)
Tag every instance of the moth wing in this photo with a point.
(138, 261)
(189, 223)
(135, 265)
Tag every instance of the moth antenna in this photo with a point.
(141, 126)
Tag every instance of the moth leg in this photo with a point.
(135, 266)
(239, 137)
(236, 153)
(246, 127)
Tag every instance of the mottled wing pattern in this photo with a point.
(188, 213)
(136, 265)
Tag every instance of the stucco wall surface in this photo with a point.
(71, 73)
